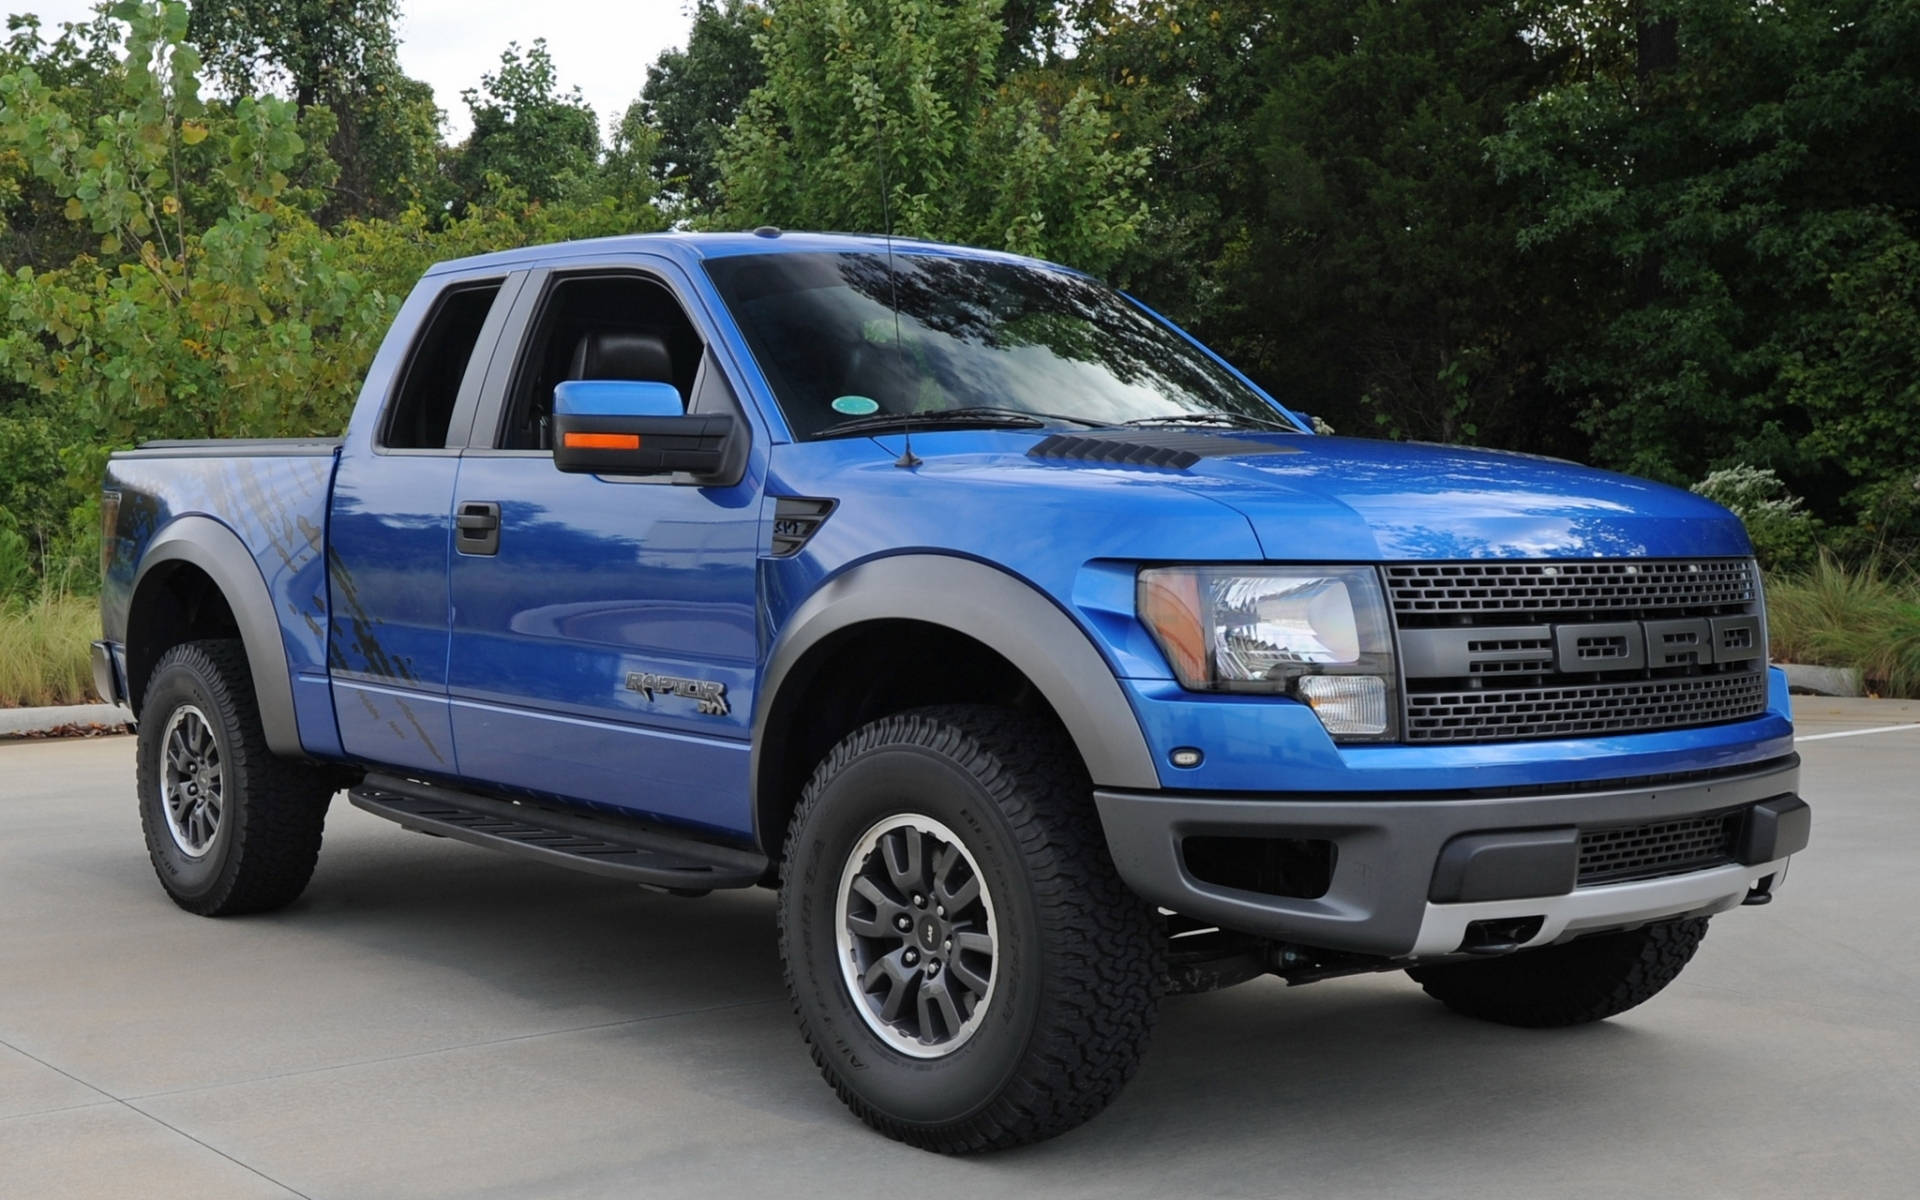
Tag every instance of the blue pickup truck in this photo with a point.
(1039, 660)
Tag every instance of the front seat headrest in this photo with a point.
(621, 354)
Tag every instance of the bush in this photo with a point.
(1836, 616)
(1785, 536)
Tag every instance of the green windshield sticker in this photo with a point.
(856, 406)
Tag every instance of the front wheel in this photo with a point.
(966, 965)
(1586, 980)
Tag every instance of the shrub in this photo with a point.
(1785, 536)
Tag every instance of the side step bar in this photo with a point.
(579, 840)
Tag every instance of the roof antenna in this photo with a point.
(907, 460)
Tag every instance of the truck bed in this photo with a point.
(254, 510)
(231, 448)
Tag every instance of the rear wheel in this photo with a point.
(1586, 980)
(229, 827)
(967, 966)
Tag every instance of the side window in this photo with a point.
(598, 327)
(422, 407)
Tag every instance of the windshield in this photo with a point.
(973, 334)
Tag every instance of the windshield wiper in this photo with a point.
(1216, 418)
(981, 416)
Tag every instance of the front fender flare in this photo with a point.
(1006, 614)
(212, 547)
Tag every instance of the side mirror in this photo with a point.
(626, 427)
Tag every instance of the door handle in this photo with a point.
(477, 527)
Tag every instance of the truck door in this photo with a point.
(388, 535)
(603, 641)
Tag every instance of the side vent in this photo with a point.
(795, 520)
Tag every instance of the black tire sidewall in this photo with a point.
(892, 780)
(181, 682)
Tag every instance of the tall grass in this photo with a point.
(43, 650)
(1865, 617)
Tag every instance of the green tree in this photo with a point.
(1379, 278)
(191, 292)
(692, 97)
(1730, 192)
(1182, 80)
(79, 65)
(341, 55)
(909, 91)
(626, 173)
(526, 131)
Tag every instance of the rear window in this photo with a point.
(422, 407)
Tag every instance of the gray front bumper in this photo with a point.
(1384, 897)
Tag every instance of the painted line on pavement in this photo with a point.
(1818, 737)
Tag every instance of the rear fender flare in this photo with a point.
(215, 549)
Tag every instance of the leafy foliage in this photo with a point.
(1731, 202)
(1678, 237)
(893, 112)
(692, 95)
(207, 301)
(340, 55)
(526, 131)
(1381, 234)
(1783, 533)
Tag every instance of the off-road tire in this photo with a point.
(1586, 980)
(1080, 958)
(268, 837)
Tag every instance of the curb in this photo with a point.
(1822, 681)
(25, 722)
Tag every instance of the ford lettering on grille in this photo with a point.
(1497, 651)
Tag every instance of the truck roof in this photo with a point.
(688, 248)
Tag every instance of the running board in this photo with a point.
(579, 840)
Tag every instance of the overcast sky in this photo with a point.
(604, 46)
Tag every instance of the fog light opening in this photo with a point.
(1294, 868)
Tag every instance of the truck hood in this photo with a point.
(1420, 501)
(1327, 498)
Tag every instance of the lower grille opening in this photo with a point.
(1296, 868)
(1662, 848)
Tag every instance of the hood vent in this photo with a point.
(1169, 449)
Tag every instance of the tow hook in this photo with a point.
(1760, 893)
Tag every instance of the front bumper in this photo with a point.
(1411, 874)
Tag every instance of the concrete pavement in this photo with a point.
(434, 1020)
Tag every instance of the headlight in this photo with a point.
(1320, 634)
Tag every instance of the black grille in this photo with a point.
(1507, 651)
(1654, 587)
(1662, 848)
(1579, 709)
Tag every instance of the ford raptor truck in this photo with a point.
(1039, 660)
